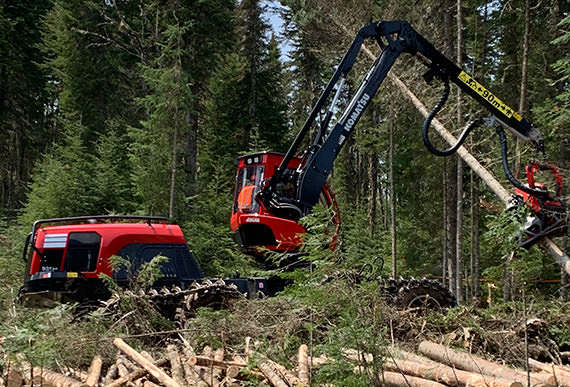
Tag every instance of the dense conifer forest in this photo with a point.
(141, 107)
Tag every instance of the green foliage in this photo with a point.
(53, 336)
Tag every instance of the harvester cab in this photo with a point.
(66, 259)
(255, 227)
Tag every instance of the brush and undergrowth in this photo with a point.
(330, 316)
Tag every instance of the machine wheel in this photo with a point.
(423, 294)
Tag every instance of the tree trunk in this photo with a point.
(524, 83)
(472, 363)
(559, 256)
(451, 221)
(396, 379)
(303, 364)
(393, 201)
(149, 366)
(252, 50)
(373, 192)
(458, 234)
(94, 371)
(445, 374)
(173, 173)
(269, 372)
(475, 233)
(55, 379)
(444, 256)
(191, 154)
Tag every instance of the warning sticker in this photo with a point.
(487, 95)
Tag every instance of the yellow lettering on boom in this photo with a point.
(487, 95)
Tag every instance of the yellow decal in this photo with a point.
(72, 274)
(517, 116)
(487, 95)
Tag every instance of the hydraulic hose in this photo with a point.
(512, 179)
(425, 130)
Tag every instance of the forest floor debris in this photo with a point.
(432, 364)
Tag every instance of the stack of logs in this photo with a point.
(437, 365)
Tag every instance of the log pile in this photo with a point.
(179, 365)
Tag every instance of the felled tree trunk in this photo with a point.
(445, 374)
(55, 379)
(395, 379)
(559, 256)
(149, 366)
(472, 363)
(94, 371)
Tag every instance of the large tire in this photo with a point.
(421, 294)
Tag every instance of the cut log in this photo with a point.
(202, 361)
(317, 361)
(237, 359)
(14, 378)
(55, 379)
(176, 369)
(394, 379)
(110, 375)
(94, 371)
(270, 373)
(561, 376)
(151, 368)
(247, 349)
(218, 357)
(476, 364)
(232, 372)
(444, 374)
(303, 364)
(122, 369)
(138, 373)
(289, 376)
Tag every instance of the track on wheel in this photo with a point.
(178, 304)
(420, 294)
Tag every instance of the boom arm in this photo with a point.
(394, 38)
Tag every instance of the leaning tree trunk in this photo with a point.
(393, 199)
(459, 210)
(559, 256)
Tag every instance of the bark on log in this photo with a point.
(110, 375)
(138, 373)
(289, 376)
(441, 373)
(472, 363)
(247, 349)
(175, 364)
(394, 379)
(218, 357)
(561, 374)
(152, 369)
(55, 379)
(94, 371)
(303, 364)
(121, 368)
(202, 361)
(269, 372)
(14, 378)
(317, 361)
